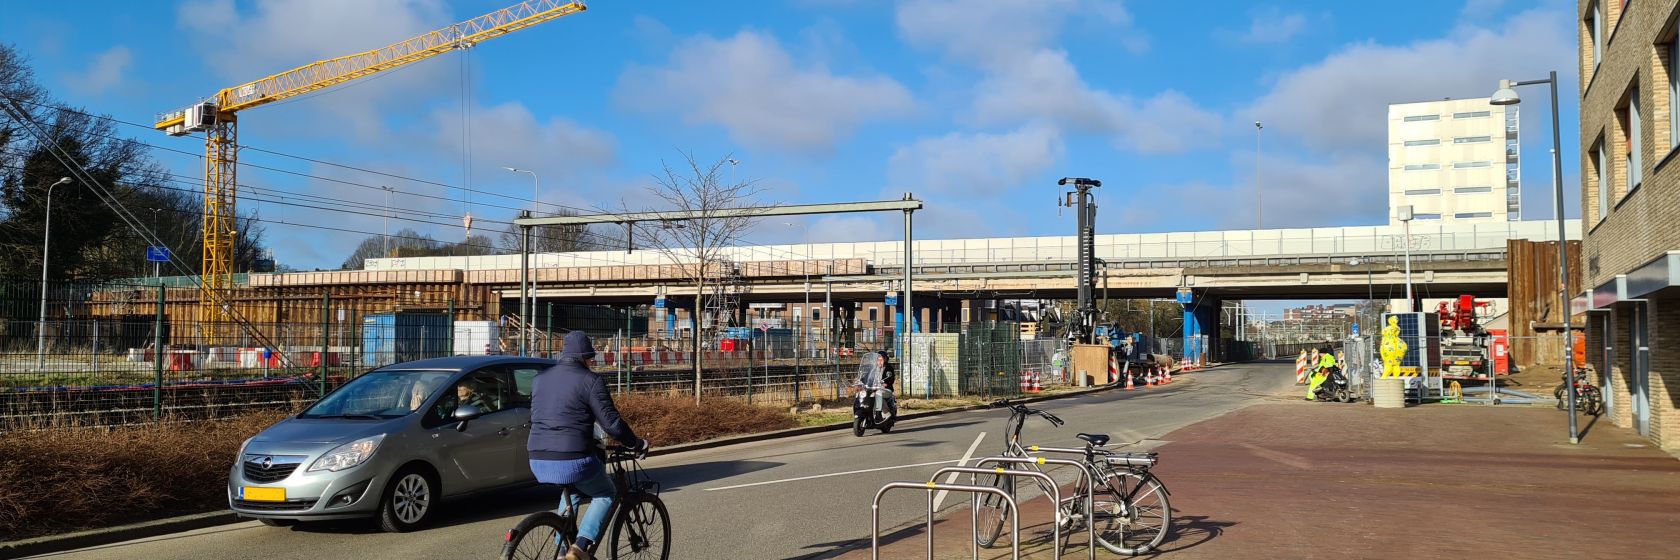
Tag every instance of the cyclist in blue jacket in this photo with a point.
(567, 402)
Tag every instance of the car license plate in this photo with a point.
(256, 494)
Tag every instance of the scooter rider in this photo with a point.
(887, 375)
(1321, 372)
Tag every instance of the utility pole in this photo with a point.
(1080, 199)
(388, 211)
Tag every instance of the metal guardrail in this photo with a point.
(974, 526)
(1090, 503)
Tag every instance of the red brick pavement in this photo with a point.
(1326, 480)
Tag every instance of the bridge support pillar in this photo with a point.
(1201, 328)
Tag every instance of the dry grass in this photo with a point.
(70, 478)
(670, 420)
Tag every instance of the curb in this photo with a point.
(97, 537)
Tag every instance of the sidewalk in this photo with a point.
(1326, 480)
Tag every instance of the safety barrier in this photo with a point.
(1090, 504)
(1301, 369)
(1031, 382)
(974, 523)
(1055, 496)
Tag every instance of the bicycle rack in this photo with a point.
(1056, 493)
(929, 487)
(1090, 505)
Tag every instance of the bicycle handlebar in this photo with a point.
(1023, 410)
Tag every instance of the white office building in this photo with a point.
(1453, 161)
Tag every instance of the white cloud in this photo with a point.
(1341, 102)
(560, 151)
(977, 164)
(105, 72)
(760, 94)
(1273, 26)
(1341, 189)
(1027, 78)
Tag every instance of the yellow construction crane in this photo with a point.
(215, 118)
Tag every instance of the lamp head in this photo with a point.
(1505, 95)
(62, 181)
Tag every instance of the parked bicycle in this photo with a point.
(1130, 508)
(640, 526)
(1588, 399)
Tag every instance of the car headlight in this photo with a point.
(347, 455)
(241, 455)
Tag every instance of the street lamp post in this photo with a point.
(387, 235)
(1507, 95)
(46, 240)
(1259, 213)
(528, 292)
(805, 317)
(1405, 215)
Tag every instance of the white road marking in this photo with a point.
(939, 499)
(859, 471)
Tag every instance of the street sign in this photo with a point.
(1356, 329)
(892, 298)
(764, 327)
(157, 254)
(1185, 296)
(660, 303)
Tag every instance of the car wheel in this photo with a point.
(408, 502)
(279, 522)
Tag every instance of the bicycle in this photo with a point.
(1588, 399)
(639, 526)
(1131, 514)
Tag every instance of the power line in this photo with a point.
(302, 158)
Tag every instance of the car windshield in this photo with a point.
(380, 394)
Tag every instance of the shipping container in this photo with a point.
(389, 338)
(477, 338)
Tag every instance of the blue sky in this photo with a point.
(975, 106)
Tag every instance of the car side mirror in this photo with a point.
(464, 413)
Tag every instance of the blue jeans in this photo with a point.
(600, 489)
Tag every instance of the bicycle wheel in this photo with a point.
(1593, 401)
(539, 536)
(993, 511)
(1132, 513)
(643, 529)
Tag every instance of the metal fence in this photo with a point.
(84, 366)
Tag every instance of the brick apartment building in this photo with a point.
(1630, 201)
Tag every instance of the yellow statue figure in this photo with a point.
(1392, 348)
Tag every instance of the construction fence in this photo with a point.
(88, 362)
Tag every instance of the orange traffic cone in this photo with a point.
(1166, 376)
(1128, 382)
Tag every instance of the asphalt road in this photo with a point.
(787, 498)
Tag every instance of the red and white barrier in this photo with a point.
(1301, 369)
(1030, 382)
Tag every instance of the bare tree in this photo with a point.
(695, 245)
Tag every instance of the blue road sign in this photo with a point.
(1185, 296)
(659, 303)
(157, 254)
(1356, 329)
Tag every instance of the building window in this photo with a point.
(1422, 142)
(1633, 143)
(1422, 166)
(1595, 32)
(1472, 190)
(1472, 139)
(1426, 216)
(1422, 192)
(1472, 114)
(1471, 164)
(1673, 67)
(1464, 215)
(1417, 118)
(1602, 176)
(874, 314)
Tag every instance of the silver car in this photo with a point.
(392, 443)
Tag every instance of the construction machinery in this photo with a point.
(1468, 349)
(216, 118)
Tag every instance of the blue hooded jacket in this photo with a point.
(567, 401)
